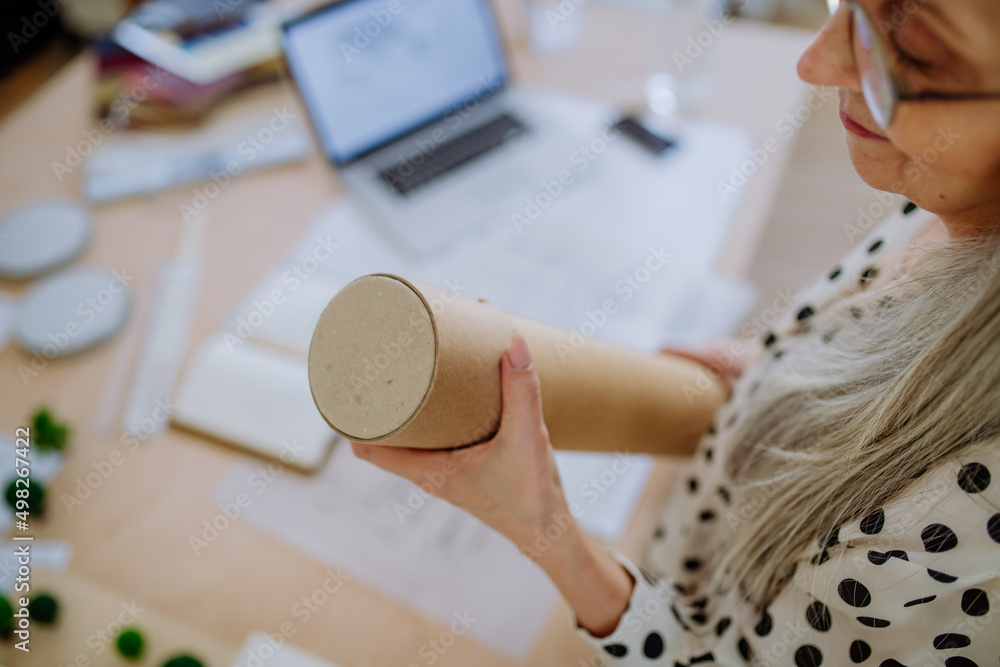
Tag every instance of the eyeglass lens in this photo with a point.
(873, 66)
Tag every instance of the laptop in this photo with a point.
(409, 100)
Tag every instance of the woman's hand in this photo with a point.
(726, 358)
(510, 482)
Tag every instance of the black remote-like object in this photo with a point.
(632, 128)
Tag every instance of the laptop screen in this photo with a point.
(371, 70)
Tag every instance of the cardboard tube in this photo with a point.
(398, 363)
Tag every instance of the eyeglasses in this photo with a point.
(882, 85)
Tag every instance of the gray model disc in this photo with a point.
(71, 311)
(39, 236)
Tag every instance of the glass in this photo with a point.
(881, 84)
(684, 44)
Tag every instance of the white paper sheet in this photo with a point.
(426, 553)
(682, 301)
(420, 551)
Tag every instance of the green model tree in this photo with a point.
(183, 661)
(44, 608)
(130, 643)
(36, 496)
(47, 432)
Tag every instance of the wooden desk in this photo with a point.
(131, 535)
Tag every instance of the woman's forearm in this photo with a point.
(596, 586)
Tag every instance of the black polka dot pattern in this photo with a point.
(679, 619)
(854, 593)
(652, 648)
(860, 651)
(941, 576)
(808, 656)
(959, 661)
(993, 528)
(974, 478)
(938, 538)
(616, 650)
(878, 558)
(914, 603)
(975, 602)
(764, 625)
(873, 523)
(951, 640)
(909, 208)
(818, 616)
(863, 600)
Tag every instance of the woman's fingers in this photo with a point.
(696, 355)
(521, 424)
(521, 389)
(510, 482)
(715, 356)
(402, 461)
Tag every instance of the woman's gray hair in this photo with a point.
(845, 423)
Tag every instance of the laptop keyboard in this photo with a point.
(405, 176)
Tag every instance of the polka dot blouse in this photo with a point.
(916, 582)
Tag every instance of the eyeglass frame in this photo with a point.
(898, 89)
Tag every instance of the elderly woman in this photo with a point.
(845, 506)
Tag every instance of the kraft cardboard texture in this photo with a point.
(371, 358)
(399, 363)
